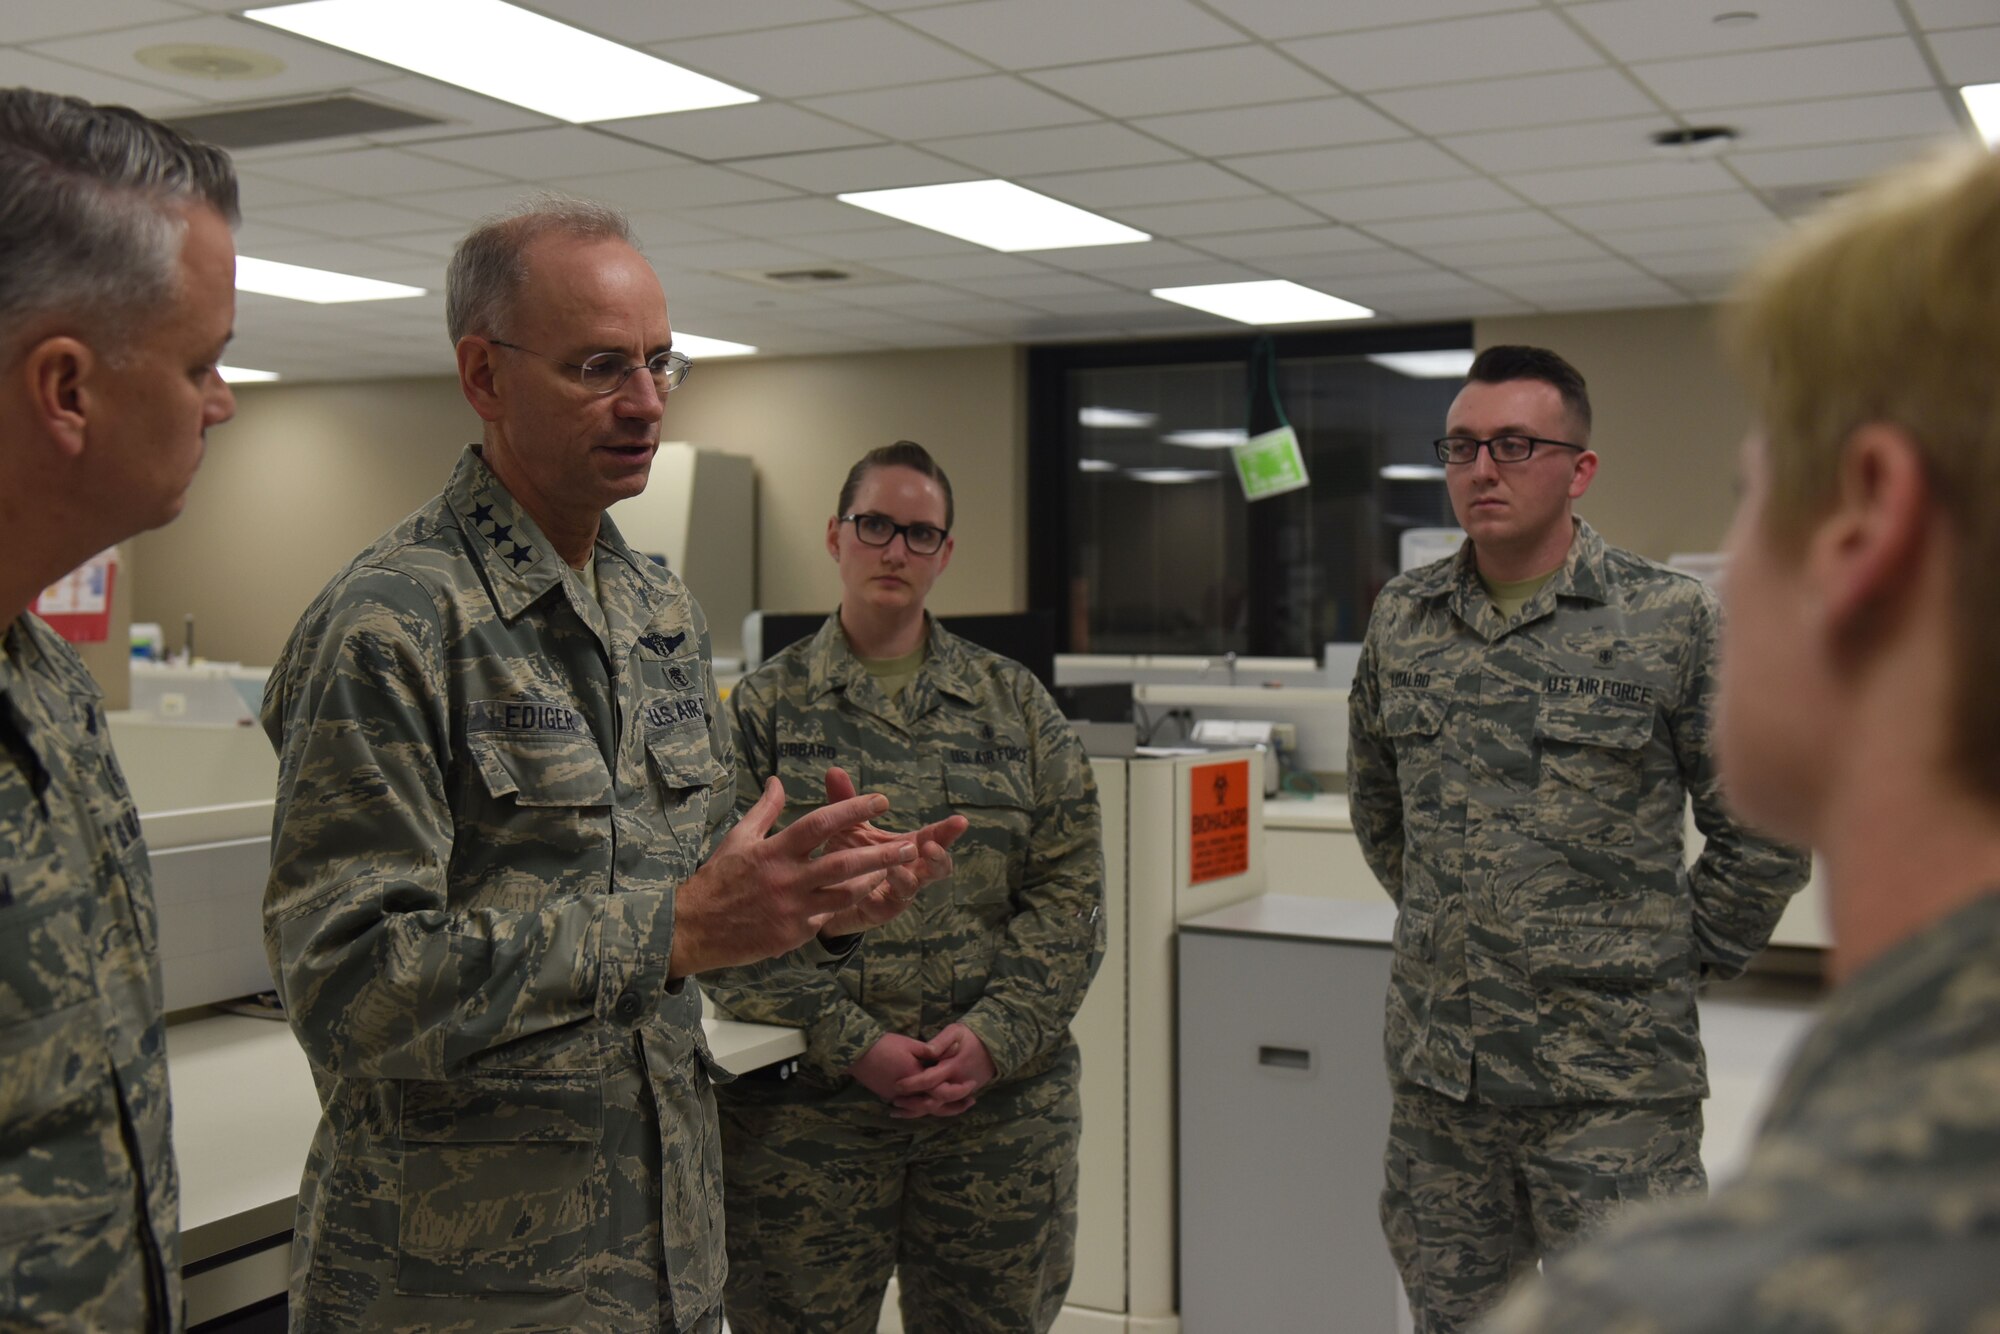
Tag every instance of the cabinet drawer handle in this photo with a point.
(1285, 1058)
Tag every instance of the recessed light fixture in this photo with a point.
(1172, 476)
(1413, 472)
(320, 286)
(1115, 419)
(206, 60)
(1983, 101)
(707, 349)
(244, 375)
(508, 53)
(1096, 465)
(999, 215)
(1451, 364)
(1693, 141)
(1220, 437)
(1272, 301)
(1735, 18)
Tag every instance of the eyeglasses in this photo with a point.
(1501, 448)
(607, 372)
(876, 531)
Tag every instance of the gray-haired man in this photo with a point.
(117, 292)
(504, 780)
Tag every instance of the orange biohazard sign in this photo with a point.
(1219, 833)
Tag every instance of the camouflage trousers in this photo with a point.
(1478, 1193)
(975, 1214)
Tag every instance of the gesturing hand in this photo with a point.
(890, 891)
(758, 896)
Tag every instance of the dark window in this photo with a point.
(1141, 538)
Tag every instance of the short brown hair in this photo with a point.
(1883, 309)
(903, 454)
(1510, 361)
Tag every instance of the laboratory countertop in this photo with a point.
(245, 1111)
(1324, 810)
(1294, 917)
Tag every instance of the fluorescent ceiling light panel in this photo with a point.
(506, 53)
(997, 214)
(1448, 365)
(320, 286)
(1413, 472)
(1222, 437)
(1096, 465)
(707, 349)
(244, 375)
(1983, 101)
(1115, 419)
(1273, 301)
(1172, 476)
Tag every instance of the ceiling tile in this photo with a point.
(1360, 164)
(1740, 239)
(1327, 240)
(354, 257)
(670, 188)
(1222, 78)
(1382, 203)
(1572, 272)
(1024, 34)
(1107, 259)
(470, 205)
(308, 66)
(1521, 250)
(893, 295)
(1841, 69)
(882, 167)
(1273, 19)
(820, 57)
(1541, 99)
(1841, 120)
(1612, 294)
(786, 217)
(1836, 163)
(1065, 148)
(1391, 289)
(1167, 183)
(957, 269)
(256, 192)
(956, 106)
(1528, 42)
(24, 69)
(1970, 55)
(636, 22)
(752, 130)
(1249, 214)
(1317, 123)
(1662, 29)
(1194, 273)
(34, 23)
(1029, 288)
(1645, 180)
(896, 242)
(1347, 265)
(533, 155)
(1951, 13)
(1588, 144)
(1420, 233)
(1734, 204)
(379, 171)
(723, 255)
(463, 113)
(351, 217)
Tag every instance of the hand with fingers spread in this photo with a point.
(892, 889)
(956, 1068)
(760, 896)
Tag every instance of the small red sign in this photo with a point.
(1219, 833)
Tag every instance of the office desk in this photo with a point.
(244, 1115)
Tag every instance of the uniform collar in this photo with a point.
(1457, 579)
(833, 666)
(518, 562)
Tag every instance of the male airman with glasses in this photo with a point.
(1528, 722)
(499, 853)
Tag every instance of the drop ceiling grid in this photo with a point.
(1411, 150)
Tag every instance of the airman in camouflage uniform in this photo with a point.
(498, 777)
(1856, 713)
(116, 281)
(1518, 785)
(830, 1186)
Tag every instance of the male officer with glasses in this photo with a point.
(1527, 724)
(498, 851)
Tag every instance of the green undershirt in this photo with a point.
(1511, 597)
(895, 674)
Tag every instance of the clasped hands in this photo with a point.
(941, 1077)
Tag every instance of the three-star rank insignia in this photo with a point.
(490, 528)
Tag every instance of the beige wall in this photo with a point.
(1668, 418)
(307, 475)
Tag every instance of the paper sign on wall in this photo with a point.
(78, 605)
(1219, 832)
(1270, 464)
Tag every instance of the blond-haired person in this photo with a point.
(1858, 714)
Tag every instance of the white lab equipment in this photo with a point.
(698, 513)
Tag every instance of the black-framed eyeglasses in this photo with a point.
(606, 372)
(878, 530)
(1501, 448)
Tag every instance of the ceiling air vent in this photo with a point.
(337, 117)
(814, 277)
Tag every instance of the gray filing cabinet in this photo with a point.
(1284, 1111)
